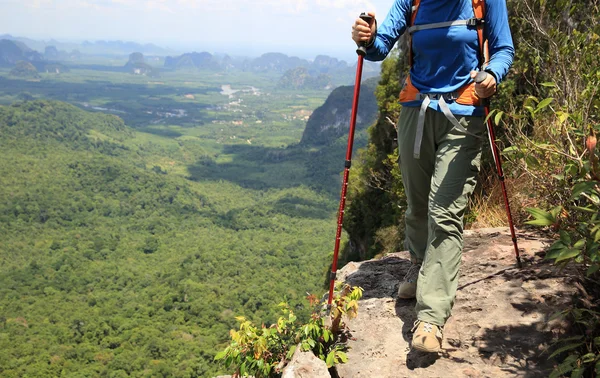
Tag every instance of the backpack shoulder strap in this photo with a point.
(413, 17)
(479, 13)
(479, 10)
(414, 10)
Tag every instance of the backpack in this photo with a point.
(465, 95)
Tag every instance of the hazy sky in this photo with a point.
(296, 27)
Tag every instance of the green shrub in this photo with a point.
(264, 351)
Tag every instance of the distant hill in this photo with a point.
(332, 119)
(269, 62)
(137, 65)
(25, 70)
(13, 51)
(300, 78)
(325, 64)
(26, 62)
(46, 121)
(276, 62)
(53, 54)
(194, 60)
(119, 48)
(321, 72)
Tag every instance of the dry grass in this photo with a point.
(487, 206)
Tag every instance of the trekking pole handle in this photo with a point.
(362, 47)
(481, 76)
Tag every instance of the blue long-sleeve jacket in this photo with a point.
(443, 58)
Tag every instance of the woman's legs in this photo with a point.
(437, 187)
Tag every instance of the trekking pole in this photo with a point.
(361, 51)
(481, 76)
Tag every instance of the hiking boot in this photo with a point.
(408, 286)
(427, 337)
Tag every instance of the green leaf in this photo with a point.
(291, 352)
(580, 244)
(589, 357)
(562, 116)
(548, 84)
(560, 177)
(577, 373)
(544, 103)
(532, 161)
(330, 361)
(566, 348)
(583, 187)
(585, 209)
(565, 238)
(498, 117)
(571, 169)
(490, 115)
(568, 254)
(342, 356)
(221, 355)
(541, 217)
(568, 365)
(592, 269)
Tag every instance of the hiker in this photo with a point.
(440, 134)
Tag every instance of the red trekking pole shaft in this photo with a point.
(361, 51)
(481, 76)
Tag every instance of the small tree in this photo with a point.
(264, 352)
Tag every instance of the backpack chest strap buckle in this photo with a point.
(452, 96)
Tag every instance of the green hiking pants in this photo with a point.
(437, 187)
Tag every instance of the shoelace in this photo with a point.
(413, 273)
(427, 327)
(415, 325)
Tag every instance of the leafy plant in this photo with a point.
(582, 351)
(552, 114)
(264, 351)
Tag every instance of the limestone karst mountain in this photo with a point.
(301, 78)
(24, 69)
(137, 65)
(12, 52)
(330, 121)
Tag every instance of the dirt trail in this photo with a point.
(499, 326)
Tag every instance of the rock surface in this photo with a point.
(500, 324)
(305, 365)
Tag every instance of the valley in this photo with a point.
(139, 215)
